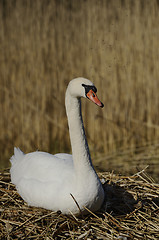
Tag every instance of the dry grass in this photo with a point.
(44, 44)
(130, 211)
(131, 160)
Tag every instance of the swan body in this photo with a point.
(62, 182)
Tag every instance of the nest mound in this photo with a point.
(130, 211)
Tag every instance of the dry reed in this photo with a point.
(130, 211)
(44, 44)
(131, 160)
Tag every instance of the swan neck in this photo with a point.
(80, 149)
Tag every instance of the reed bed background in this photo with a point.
(44, 44)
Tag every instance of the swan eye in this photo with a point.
(88, 88)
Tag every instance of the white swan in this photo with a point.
(62, 181)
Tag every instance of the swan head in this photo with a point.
(82, 87)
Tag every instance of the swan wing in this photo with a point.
(40, 166)
(43, 179)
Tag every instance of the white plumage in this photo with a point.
(48, 181)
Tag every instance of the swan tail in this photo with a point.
(15, 169)
(18, 156)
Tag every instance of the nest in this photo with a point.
(130, 211)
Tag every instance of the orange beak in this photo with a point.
(93, 97)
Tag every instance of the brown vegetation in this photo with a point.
(130, 211)
(44, 44)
